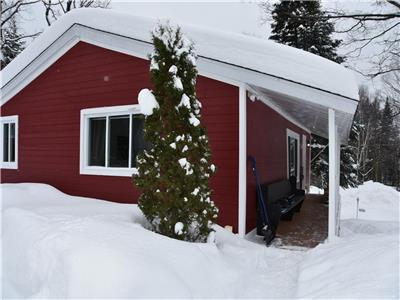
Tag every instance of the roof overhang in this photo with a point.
(307, 105)
(311, 116)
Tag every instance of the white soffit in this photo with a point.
(312, 116)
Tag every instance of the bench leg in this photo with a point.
(298, 206)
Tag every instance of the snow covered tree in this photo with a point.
(12, 42)
(173, 175)
(377, 142)
(292, 26)
(389, 150)
(348, 166)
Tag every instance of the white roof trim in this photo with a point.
(228, 57)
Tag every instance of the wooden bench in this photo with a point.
(282, 199)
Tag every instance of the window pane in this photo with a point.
(5, 142)
(12, 142)
(119, 141)
(97, 141)
(138, 142)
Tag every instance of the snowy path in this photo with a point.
(58, 246)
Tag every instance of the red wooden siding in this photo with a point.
(266, 141)
(89, 76)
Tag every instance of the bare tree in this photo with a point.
(373, 34)
(11, 8)
(55, 8)
(12, 39)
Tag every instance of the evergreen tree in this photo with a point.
(348, 166)
(12, 42)
(389, 138)
(292, 26)
(173, 175)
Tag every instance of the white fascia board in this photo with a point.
(102, 39)
(221, 71)
(142, 50)
(278, 85)
(39, 65)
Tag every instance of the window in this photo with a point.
(293, 154)
(9, 140)
(111, 138)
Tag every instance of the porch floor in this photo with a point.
(308, 228)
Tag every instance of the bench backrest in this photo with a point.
(277, 190)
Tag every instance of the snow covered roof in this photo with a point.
(225, 56)
(237, 49)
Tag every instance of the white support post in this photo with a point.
(333, 172)
(242, 161)
(337, 202)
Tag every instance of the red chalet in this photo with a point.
(70, 98)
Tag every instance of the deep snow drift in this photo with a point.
(55, 245)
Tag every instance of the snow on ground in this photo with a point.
(59, 246)
(316, 190)
(376, 201)
(364, 261)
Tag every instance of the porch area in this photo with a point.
(308, 228)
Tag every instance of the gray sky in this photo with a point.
(243, 17)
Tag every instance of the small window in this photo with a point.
(293, 161)
(9, 139)
(112, 137)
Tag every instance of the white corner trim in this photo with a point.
(304, 162)
(277, 109)
(87, 113)
(5, 120)
(242, 161)
(296, 136)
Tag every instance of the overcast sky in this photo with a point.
(243, 17)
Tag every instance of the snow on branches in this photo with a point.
(173, 175)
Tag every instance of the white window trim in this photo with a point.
(5, 120)
(304, 161)
(84, 169)
(291, 133)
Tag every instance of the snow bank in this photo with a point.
(376, 201)
(352, 267)
(364, 261)
(59, 246)
(238, 49)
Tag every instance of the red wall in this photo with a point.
(266, 141)
(49, 121)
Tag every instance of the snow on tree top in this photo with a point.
(240, 50)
